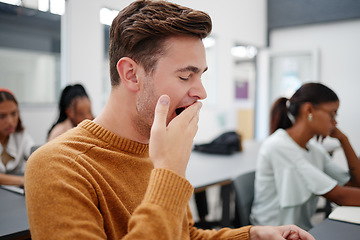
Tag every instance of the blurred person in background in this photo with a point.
(16, 143)
(294, 169)
(74, 107)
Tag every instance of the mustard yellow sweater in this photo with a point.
(92, 184)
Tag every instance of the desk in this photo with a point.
(208, 169)
(13, 221)
(205, 170)
(335, 230)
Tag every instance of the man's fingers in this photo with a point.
(191, 112)
(294, 232)
(161, 111)
(195, 118)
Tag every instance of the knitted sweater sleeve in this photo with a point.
(162, 212)
(222, 234)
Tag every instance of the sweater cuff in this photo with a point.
(244, 232)
(169, 190)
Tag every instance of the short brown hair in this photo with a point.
(140, 29)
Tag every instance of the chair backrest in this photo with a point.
(34, 148)
(244, 192)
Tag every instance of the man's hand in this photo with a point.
(170, 146)
(289, 232)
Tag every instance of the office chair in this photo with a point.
(244, 195)
(326, 209)
(34, 148)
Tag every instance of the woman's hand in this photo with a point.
(336, 133)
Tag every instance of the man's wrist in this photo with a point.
(253, 233)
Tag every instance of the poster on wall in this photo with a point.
(241, 89)
(244, 84)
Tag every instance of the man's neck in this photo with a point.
(117, 118)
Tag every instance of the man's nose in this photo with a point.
(198, 91)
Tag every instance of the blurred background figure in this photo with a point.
(294, 168)
(74, 107)
(16, 144)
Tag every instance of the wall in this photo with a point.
(339, 58)
(82, 48)
(38, 120)
(236, 22)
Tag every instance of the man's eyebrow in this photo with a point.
(191, 69)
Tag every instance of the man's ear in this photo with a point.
(127, 68)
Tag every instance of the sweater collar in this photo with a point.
(119, 142)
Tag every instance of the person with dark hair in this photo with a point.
(122, 176)
(293, 168)
(16, 143)
(74, 107)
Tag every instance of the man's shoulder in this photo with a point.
(66, 146)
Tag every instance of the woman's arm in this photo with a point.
(8, 179)
(352, 159)
(344, 196)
